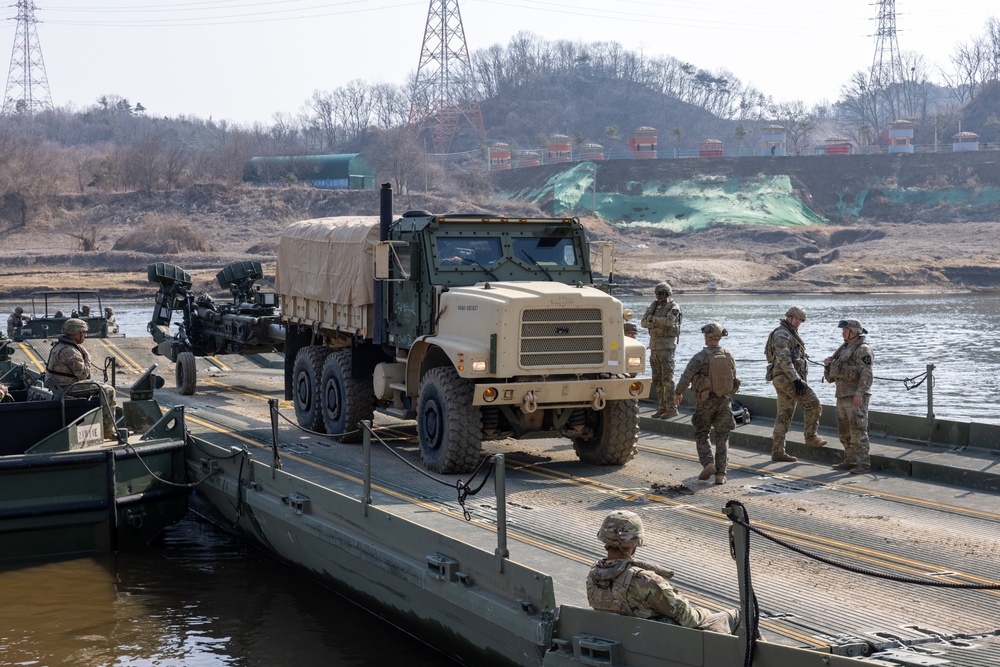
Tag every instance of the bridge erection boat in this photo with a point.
(67, 488)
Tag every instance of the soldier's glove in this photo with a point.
(800, 387)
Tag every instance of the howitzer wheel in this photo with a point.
(346, 401)
(449, 428)
(186, 373)
(306, 374)
(615, 432)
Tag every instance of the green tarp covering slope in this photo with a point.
(679, 206)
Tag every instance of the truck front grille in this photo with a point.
(553, 337)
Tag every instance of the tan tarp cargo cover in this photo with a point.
(329, 260)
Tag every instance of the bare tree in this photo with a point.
(30, 175)
(397, 155)
(797, 122)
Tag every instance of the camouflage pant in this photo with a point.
(661, 362)
(715, 411)
(787, 399)
(852, 427)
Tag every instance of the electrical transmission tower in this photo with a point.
(444, 92)
(27, 86)
(887, 65)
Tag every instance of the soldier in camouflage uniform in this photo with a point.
(69, 363)
(787, 367)
(712, 376)
(15, 321)
(663, 319)
(623, 585)
(850, 368)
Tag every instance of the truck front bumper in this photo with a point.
(560, 393)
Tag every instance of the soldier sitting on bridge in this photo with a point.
(624, 585)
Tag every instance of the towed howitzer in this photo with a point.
(248, 325)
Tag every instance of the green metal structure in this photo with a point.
(350, 171)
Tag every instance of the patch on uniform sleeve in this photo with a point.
(867, 360)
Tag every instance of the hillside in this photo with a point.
(847, 223)
(843, 223)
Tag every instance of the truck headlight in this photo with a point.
(633, 363)
(635, 388)
(478, 366)
(490, 394)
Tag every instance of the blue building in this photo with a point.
(351, 171)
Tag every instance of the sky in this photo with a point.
(246, 60)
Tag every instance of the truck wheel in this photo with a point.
(306, 374)
(615, 434)
(346, 401)
(186, 372)
(449, 428)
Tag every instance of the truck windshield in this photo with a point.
(464, 250)
(546, 251)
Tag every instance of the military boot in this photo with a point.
(658, 413)
(846, 464)
(720, 478)
(815, 441)
(707, 471)
(668, 412)
(778, 452)
(861, 468)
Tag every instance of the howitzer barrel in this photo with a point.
(275, 331)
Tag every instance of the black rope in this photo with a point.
(187, 485)
(461, 486)
(908, 383)
(859, 570)
(108, 362)
(317, 433)
(749, 609)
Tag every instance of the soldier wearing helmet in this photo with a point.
(787, 367)
(850, 368)
(67, 372)
(663, 319)
(623, 585)
(15, 321)
(712, 376)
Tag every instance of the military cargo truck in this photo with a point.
(479, 327)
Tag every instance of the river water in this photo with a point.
(954, 332)
(201, 598)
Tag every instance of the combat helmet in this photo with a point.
(74, 325)
(796, 311)
(621, 528)
(714, 330)
(663, 288)
(853, 325)
(630, 327)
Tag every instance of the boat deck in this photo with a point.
(893, 522)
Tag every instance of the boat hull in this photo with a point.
(88, 502)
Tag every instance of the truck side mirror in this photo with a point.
(393, 260)
(382, 260)
(607, 265)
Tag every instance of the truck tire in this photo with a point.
(346, 401)
(186, 373)
(615, 434)
(306, 374)
(449, 428)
